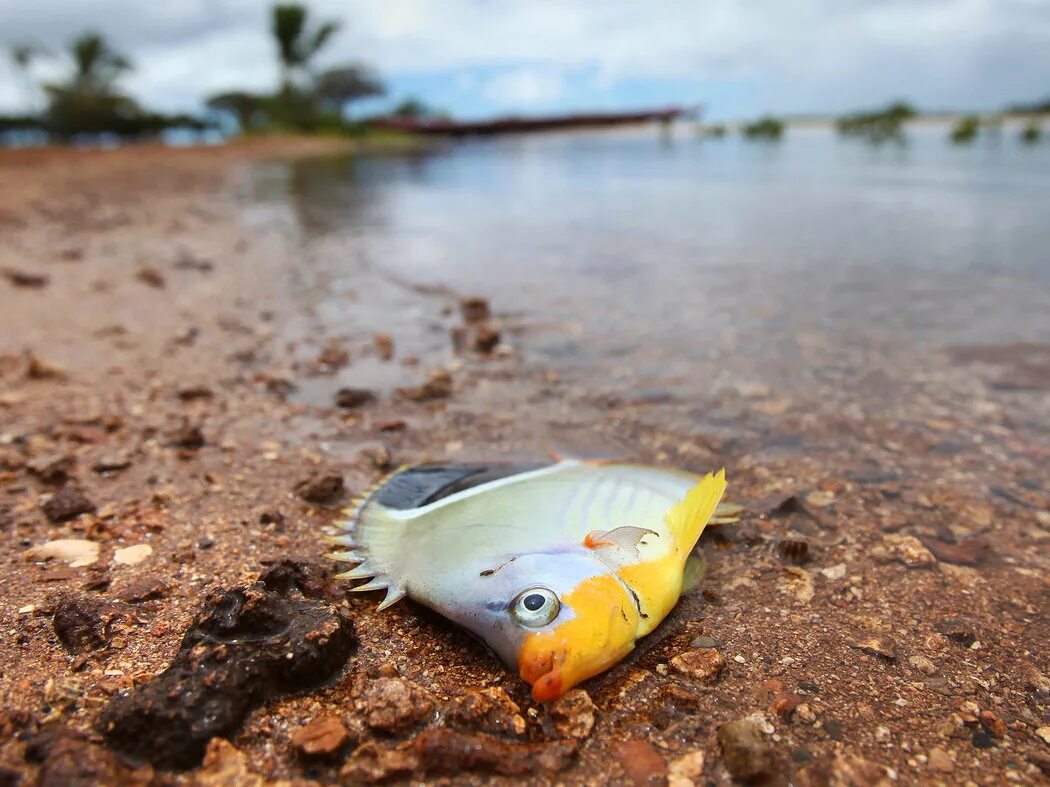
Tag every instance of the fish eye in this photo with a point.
(535, 607)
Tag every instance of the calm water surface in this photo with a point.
(639, 253)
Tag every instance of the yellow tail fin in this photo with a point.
(689, 516)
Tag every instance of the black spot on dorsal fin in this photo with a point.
(421, 485)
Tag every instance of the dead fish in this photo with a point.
(558, 568)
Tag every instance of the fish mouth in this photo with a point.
(544, 673)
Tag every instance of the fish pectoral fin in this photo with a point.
(625, 539)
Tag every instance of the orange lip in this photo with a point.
(548, 687)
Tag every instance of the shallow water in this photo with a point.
(639, 254)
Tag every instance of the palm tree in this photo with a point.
(296, 44)
(96, 65)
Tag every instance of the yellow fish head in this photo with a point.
(596, 626)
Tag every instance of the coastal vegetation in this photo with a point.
(879, 125)
(965, 130)
(768, 128)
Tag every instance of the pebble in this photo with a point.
(923, 664)
(1043, 733)
(958, 630)
(130, 556)
(903, 549)
(86, 623)
(350, 398)
(371, 764)
(487, 710)
(642, 763)
(994, 726)
(570, 716)
(746, 753)
(144, 590)
(474, 309)
(394, 705)
(321, 737)
(321, 488)
(65, 504)
(702, 664)
(940, 760)
(880, 647)
(686, 770)
(844, 771)
(77, 552)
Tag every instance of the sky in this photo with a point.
(479, 58)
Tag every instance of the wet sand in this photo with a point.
(879, 612)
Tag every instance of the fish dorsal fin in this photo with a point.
(420, 485)
(689, 516)
(619, 545)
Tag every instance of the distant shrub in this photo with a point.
(716, 131)
(1031, 133)
(878, 125)
(766, 128)
(965, 130)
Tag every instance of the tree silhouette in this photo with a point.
(297, 45)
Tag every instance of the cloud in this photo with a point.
(526, 87)
(791, 55)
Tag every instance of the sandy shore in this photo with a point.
(862, 624)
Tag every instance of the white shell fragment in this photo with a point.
(129, 556)
(77, 552)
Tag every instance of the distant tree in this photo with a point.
(1031, 133)
(965, 131)
(411, 109)
(297, 45)
(767, 128)
(716, 131)
(337, 87)
(244, 107)
(879, 125)
(89, 101)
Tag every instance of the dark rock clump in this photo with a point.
(67, 503)
(442, 751)
(247, 645)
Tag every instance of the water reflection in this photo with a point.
(648, 251)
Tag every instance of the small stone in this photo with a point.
(151, 277)
(968, 552)
(350, 398)
(686, 770)
(322, 737)
(144, 590)
(805, 714)
(25, 279)
(704, 641)
(394, 705)
(65, 504)
(982, 740)
(488, 710)
(784, 704)
(570, 716)
(130, 556)
(76, 552)
(384, 346)
(702, 664)
(474, 309)
(745, 751)
(1043, 733)
(38, 368)
(320, 488)
(844, 771)
(83, 623)
(879, 647)
(371, 764)
(332, 357)
(958, 630)
(485, 339)
(995, 726)
(437, 386)
(903, 549)
(797, 582)
(923, 664)
(188, 436)
(641, 761)
(225, 764)
(940, 760)
(111, 464)
(52, 469)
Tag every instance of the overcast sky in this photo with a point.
(483, 57)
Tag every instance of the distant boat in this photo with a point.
(518, 125)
